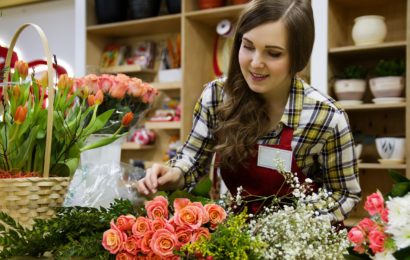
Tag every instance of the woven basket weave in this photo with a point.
(27, 198)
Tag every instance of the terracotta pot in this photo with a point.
(239, 2)
(206, 4)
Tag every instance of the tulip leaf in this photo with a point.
(26, 149)
(66, 169)
(397, 177)
(99, 123)
(203, 187)
(400, 189)
(102, 142)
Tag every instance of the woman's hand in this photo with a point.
(160, 177)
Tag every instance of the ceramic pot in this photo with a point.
(350, 89)
(391, 148)
(369, 29)
(173, 6)
(391, 86)
(144, 8)
(109, 11)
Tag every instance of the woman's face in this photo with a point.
(264, 60)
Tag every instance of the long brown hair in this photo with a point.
(244, 117)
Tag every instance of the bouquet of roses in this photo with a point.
(160, 234)
(386, 234)
(121, 93)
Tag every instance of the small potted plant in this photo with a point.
(388, 79)
(351, 84)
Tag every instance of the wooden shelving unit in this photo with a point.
(135, 146)
(369, 119)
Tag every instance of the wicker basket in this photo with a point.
(27, 198)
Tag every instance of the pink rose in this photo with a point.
(124, 256)
(118, 90)
(105, 82)
(385, 215)
(190, 216)
(163, 242)
(356, 236)
(360, 249)
(146, 242)
(91, 80)
(132, 245)
(201, 232)
(125, 223)
(367, 225)
(157, 208)
(374, 203)
(149, 95)
(377, 239)
(141, 226)
(113, 239)
(135, 89)
(180, 203)
(216, 214)
(183, 236)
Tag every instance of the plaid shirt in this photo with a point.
(321, 132)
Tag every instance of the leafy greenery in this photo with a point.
(389, 68)
(354, 72)
(227, 242)
(401, 185)
(74, 231)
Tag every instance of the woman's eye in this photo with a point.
(275, 54)
(247, 47)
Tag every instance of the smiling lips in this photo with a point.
(258, 77)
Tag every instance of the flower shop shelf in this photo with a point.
(213, 16)
(135, 146)
(163, 125)
(386, 46)
(126, 69)
(167, 86)
(381, 166)
(148, 26)
(370, 106)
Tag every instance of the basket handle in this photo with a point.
(50, 87)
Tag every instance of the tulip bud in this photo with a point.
(22, 68)
(128, 117)
(64, 82)
(99, 97)
(84, 92)
(44, 79)
(91, 100)
(16, 91)
(20, 115)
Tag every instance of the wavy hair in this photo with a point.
(244, 117)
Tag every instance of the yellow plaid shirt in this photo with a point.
(320, 130)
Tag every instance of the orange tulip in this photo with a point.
(99, 97)
(91, 100)
(65, 81)
(22, 69)
(16, 91)
(20, 115)
(128, 117)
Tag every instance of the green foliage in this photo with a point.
(401, 185)
(354, 72)
(389, 68)
(403, 253)
(74, 231)
(228, 241)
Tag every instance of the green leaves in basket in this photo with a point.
(73, 232)
(401, 184)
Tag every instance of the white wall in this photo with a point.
(56, 18)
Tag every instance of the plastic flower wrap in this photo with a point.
(77, 114)
(121, 93)
(160, 233)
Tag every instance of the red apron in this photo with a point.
(261, 181)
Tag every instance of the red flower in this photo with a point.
(126, 120)
(20, 115)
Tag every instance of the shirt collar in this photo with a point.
(294, 105)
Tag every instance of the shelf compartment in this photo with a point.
(163, 125)
(352, 49)
(381, 166)
(149, 26)
(166, 86)
(135, 146)
(126, 69)
(374, 106)
(213, 16)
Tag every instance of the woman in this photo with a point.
(262, 110)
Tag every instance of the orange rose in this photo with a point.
(91, 81)
(124, 256)
(141, 226)
(135, 89)
(118, 90)
(125, 223)
(183, 236)
(190, 216)
(132, 245)
(163, 242)
(105, 82)
(157, 208)
(146, 242)
(216, 214)
(113, 239)
(199, 233)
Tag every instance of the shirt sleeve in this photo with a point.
(193, 156)
(341, 173)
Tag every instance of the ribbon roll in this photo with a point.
(225, 28)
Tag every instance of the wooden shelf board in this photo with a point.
(163, 125)
(213, 16)
(367, 48)
(374, 106)
(135, 146)
(381, 166)
(149, 26)
(126, 69)
(167, 85)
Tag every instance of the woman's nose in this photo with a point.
(257, 61)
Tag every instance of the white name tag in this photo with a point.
(270, 157)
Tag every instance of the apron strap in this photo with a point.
(286, 136)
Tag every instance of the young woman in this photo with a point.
(262, 110)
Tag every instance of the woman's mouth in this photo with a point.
(258, 77)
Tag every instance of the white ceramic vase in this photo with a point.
(369, 29)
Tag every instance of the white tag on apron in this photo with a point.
(272, 158)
